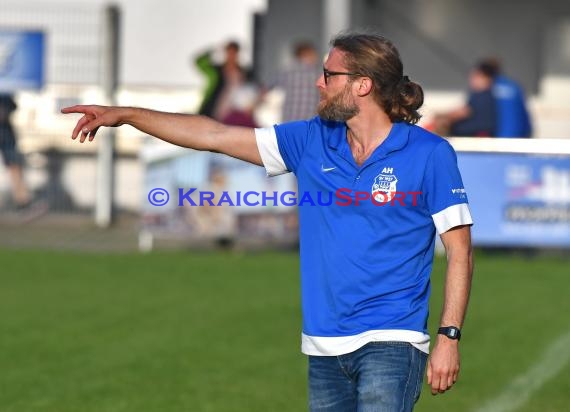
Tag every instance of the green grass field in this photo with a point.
(221, 332)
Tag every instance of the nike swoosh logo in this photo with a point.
(327, 169)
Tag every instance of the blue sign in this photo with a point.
(518, 199)
(21, 60)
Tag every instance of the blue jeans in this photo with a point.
(379, 377)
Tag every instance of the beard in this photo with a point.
(340, 107)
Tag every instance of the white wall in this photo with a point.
(159, 36)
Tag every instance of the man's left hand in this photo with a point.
(443, 365)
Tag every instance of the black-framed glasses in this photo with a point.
(328, 73)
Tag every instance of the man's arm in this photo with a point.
(443, 364)
(460, 113)
(192, 131)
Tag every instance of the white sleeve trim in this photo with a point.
(269, 150)
(456, 215)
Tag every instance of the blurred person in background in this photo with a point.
(221, 80)
(215, 222)
(513, 118)
(365, 268)
(13, 159)
(478, 116)
(298, 83)
(242, 103)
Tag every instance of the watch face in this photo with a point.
(451, 332)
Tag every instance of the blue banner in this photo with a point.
(518, 199)
(21, 60)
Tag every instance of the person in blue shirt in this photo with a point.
(374, 190)
(513, 118)
(478, 117)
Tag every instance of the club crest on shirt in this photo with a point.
(384, 185)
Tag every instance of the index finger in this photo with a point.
(74, 109)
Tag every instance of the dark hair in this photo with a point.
(233, 45)
(488, 67)
(374, 56)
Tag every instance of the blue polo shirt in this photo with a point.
(366, 232)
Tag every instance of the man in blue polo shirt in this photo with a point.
(366, 257)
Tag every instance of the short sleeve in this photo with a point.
(269, 151)
(445, 194)
(281, 147)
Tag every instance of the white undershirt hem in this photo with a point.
(341, 345)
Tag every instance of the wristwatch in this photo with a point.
(450, 331)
